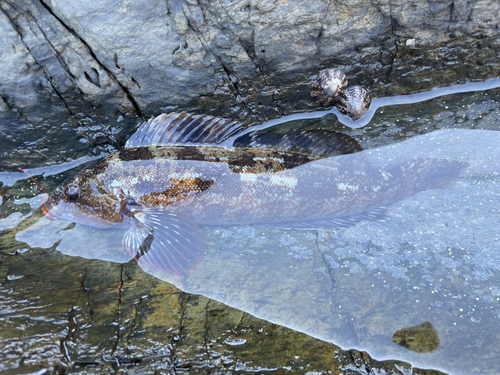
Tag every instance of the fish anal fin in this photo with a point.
(184, 129)
(164, 241)
(376, 214)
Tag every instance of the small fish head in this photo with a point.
(84, 199)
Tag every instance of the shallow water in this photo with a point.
(434, 260)
(378, 103)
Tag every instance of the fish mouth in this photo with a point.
(45, 210)
(55, 208)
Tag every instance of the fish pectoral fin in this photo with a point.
(376, 214)
(164, 241)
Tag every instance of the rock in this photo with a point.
(93, 316)
(70, 71)
(421, 339)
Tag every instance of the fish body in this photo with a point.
(173, 176)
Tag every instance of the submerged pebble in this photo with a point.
(354, 102)
(421, 339)
(330, 84)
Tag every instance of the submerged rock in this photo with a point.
(94, 316)
(421, 339)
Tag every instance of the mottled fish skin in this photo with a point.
(317, 190)
(210, 185)
(164, 191)
(157, 177)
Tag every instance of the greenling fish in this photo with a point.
(179, 171)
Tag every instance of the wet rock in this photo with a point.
(72, 315)
(85, 75)
(77, 79)
(356, 362)
(126, 319)
(421, 339)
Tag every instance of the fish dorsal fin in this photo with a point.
(184, 128)
(321, 143)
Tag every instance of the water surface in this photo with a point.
(434, 260)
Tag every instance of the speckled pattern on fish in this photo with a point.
(173, 175)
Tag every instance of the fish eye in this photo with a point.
(73, 191)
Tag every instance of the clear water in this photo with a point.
(378, 103)
(436, 259)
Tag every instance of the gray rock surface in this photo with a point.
(87, 73)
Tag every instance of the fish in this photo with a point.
(180, 171)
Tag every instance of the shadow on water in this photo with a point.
(435, 258)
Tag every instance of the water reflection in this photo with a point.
(435, 259)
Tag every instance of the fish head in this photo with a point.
(85, 199)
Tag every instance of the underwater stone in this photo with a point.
(330, 83)
(421, 339)
(354, 102)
